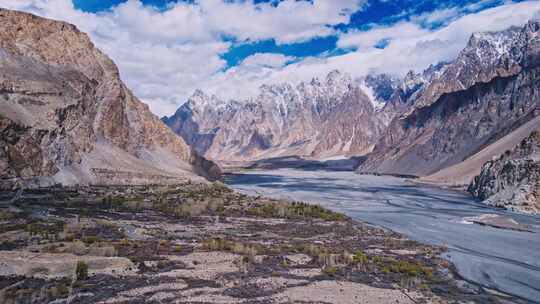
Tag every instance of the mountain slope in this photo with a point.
(462, 173)
(513, 180)
(66, 117)
(319, 119)
(490, 90)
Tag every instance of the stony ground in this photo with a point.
(194, 243)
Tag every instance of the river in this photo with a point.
(501, 259)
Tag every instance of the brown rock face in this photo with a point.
(487, 92)
(66, 117)
(319, 119)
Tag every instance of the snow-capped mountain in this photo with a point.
(418, 125)
(379, 88)
(487, 92)
(321, 118)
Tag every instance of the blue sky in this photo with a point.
(165, 50)
(375, 12)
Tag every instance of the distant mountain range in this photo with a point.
(441, 124)
(417, 125)
(321, 118)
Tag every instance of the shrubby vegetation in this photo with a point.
(81, 271)
(294, 210)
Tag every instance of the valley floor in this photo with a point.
(196, 243)
(495, 248)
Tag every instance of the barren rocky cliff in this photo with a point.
(513, 180)
(66, 116)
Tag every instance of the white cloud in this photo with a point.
(410, 48)
(368, 39)
(290, 21)
(165, 55)
(267, 60)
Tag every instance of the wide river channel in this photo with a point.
(501, 259)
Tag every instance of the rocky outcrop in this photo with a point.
(513, 180)
(66, 117)
(318, 119)
(487, 92)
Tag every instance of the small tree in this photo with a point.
(81, 271)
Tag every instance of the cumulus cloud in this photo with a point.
(267, 60)
(164, 55)
(368, 39)
(290, 21)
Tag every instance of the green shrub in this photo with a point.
(360, 257)
(91, 239)
(412, 269)
(81, 271)
(330, 270)
(294, 210)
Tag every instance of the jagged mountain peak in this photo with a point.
(311, 118)
(336, 76)
(199, 94)
(488, 47)
(276, 88)
(200, 101)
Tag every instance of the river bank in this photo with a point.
(195, 243)
(498, 259)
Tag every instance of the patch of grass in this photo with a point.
(46, 230)
(217, 245)
(330, 271)
(411, 269)
(249, 251)
(360, 257)
(124, 242)
(91, 239)
(294, 210)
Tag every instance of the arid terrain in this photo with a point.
(104, 201)
(204, 243)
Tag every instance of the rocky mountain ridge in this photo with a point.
(513, 180)
(321, 118)
(418, 125)
(66, 117)
(487, 92)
